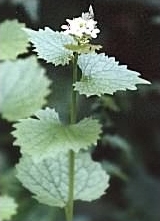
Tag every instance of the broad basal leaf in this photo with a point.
(46, 135)
(23, 87)
(102, 75)
(49, 45)
(48, 179)
(13, 40)
(8, 207)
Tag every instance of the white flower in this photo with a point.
(83, 26)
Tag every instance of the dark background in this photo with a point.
(130, 146)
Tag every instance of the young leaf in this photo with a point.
(102, 75)
(49, 45)
(13, 41)
(46, 135)
(83, 49)
(8, 207)
(23, 87)
(48, 179)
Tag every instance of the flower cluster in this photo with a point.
(82, 27)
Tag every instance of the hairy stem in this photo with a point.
(73, 116)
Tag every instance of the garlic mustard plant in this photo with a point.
(82, 28)
(56, 165)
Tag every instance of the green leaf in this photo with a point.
(109, 102)
(13, 40)
(102, 75)
(49, 45)
(8, 207)
(46, 135)
(118, 142)
(31, 7)
(83, 49)
(23, 87)
(48, 179)
(114, 170)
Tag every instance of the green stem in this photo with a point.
(73, 117)
(70, 205)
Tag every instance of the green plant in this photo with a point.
(8, 207)
(56, 165)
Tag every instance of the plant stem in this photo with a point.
(70, 205)
(73, 118)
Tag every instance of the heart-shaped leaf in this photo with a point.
(48, 179)
(46, 135)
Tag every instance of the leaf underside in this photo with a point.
(23, 87)
(103, 75)
(46, 135)
(48, 179)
